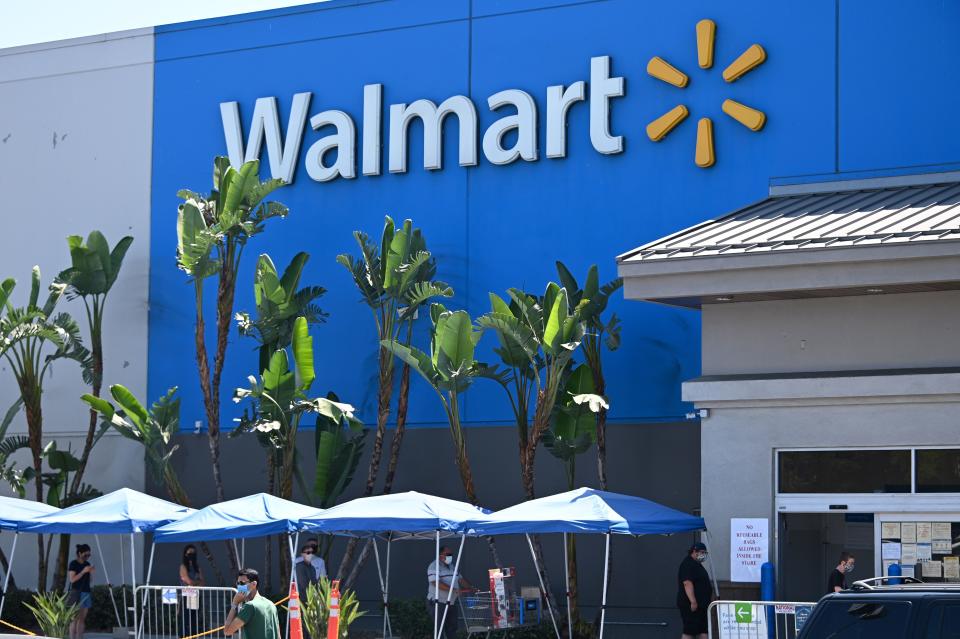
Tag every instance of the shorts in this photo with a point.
(80, 599)
(694, 621)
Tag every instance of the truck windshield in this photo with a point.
(845, 619)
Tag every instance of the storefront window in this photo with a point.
(844, 471)
(938, 471)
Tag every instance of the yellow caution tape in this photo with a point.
(201, 634)
(24, 631)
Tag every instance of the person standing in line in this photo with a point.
(78, 576)
(441, 576)
(190, 577)
(306, 573)
(255, 614)
(319, 566)
(693, 595)
(838, 577)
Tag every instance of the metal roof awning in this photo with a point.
(825, 241)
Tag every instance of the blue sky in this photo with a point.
(31, 21)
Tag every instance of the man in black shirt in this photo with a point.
(693, 595)
(838, 578)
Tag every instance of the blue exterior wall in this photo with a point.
(850, 88)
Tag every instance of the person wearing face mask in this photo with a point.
(319, 566)
(190, 578)
(440, 578)
(838, 578)
(249, 610)
(78, 576)
(693, 595)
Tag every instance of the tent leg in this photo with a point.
(6, 577)
(713, 573)
(386, 589)
(133, 581)
(236, 551)
(123, 580)
(143, 600)
(543, 586)
(606, 578)
(455, 581)
(106, 576)
(383, 587)
(566, 582)
(243, 551)
(436, 590)
(293, 571)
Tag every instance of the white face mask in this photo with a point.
(701, 557)
(448, 560)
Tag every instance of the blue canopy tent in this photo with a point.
(256, 515)
(586, 510)
(122, 512)
(12, 513)
(409, 515)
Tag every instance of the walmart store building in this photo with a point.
(808, 315)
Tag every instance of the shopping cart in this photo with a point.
(483, 614)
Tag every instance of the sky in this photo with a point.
(32, 21)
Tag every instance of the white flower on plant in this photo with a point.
(595, 402)
(266, 427)
(240, 393)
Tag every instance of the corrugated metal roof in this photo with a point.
(835, 219)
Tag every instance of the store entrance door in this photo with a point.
(809, 548)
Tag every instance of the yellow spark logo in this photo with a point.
(751, 118)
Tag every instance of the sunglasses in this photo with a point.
(307, 552)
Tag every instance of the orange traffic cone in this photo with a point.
(333, 623)
(293, 612)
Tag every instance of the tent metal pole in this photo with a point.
(566, 581)
(455, 582)
(123, 581)
(293, 571)
(133, 578)
(713, 573)
(243, 551)
(606, 579)
(6, 577)
(106, 576)
(383, 588)
(143, 600)
(236, 551)
(543, 586)
(386, 589)
(436, 589)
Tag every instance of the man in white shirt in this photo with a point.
(318, 564)
(448, 591)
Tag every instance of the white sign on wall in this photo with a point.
(749, 544)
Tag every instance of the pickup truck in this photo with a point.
(877, 609)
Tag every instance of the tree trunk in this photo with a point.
(571, 541)
(32, 395)
(402, 405)
(63, 557)
(268, 547)
(384, 394)
(211, 392)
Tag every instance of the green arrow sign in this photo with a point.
(743, 612)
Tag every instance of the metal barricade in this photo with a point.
(757, 619)
(175, 612)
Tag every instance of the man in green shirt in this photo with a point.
(255, 614)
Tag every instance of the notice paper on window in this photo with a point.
(890, 530)
(908, 533)
(932, 569)
(924, 532)
(942, 547)
(908, 554)
(924, 552)
(951, 567)
(941, 530)
(908, 571)
(891, 550)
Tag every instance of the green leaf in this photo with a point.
(9, 415)
(386, 238)
(240, 186)
(553, 332)
(303, 353)
(34, 287)
(456, 342)
(291, 275)
(417, 359)
(102, 406)
(591, 288)
(130, 405)
(6, 288)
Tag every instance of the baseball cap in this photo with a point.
(699, 547)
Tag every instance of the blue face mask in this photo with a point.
(243, 589)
